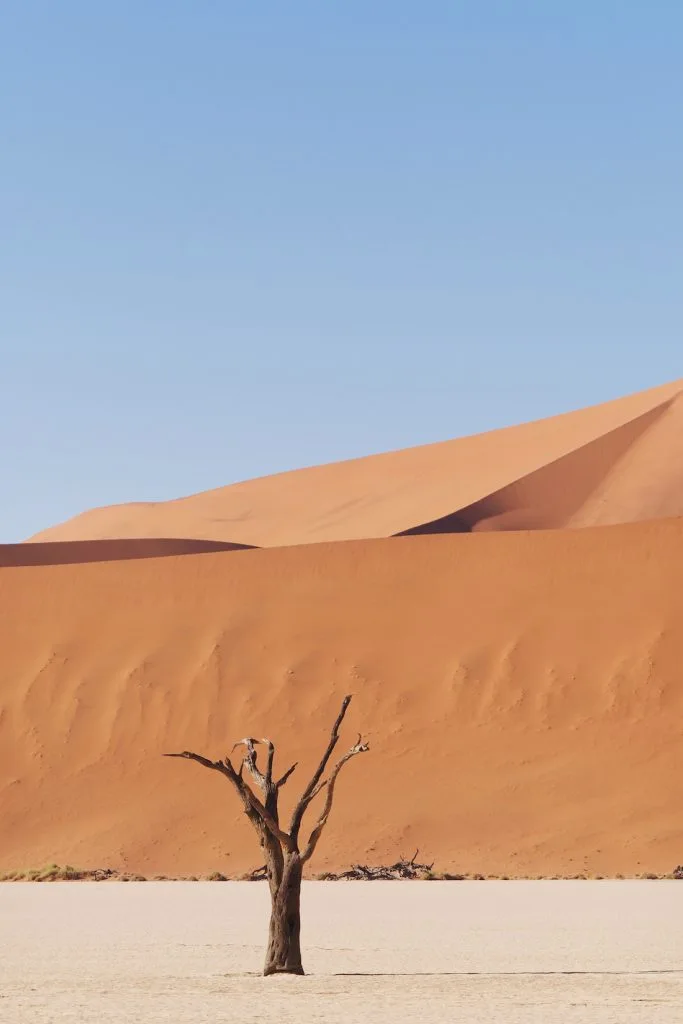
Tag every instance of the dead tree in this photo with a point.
(284, 855)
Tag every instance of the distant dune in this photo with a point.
(519, 681)
(508, 478)
(75, 551)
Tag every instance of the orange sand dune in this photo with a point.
(611, 463)
(521, 691)
(75, 551)
(630, 473)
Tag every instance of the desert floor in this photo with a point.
(418, 951)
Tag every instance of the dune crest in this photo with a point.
(399, 492)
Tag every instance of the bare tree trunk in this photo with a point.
(284, 858)
(284, 946)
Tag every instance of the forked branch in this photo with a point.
(262, 780)
(312, 788)
(249, 798)
(263, 814)
(358, 748)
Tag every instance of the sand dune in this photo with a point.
(510, 479)
(521, 692)
(77, 551)
(518, 677)
(625, 475)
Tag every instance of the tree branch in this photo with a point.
(249, 761)
(358, 748)
(251, 801)
(311, 789)
(281, 781)
(218, 766)
(269, 763)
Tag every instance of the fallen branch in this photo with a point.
(402, 869)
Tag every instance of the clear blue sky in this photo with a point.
(237, 238)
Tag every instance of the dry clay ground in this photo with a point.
(465, 952)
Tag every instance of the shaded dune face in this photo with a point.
(556, 495)
(78, 551)
(647, 481)
(505, 608)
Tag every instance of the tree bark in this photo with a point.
(284, 945)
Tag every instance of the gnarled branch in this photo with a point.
(251, 801)
(218, 766)
(249, 761)
(358, 748)
(311, 788)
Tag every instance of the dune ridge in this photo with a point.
(551, 497)
(399, 492)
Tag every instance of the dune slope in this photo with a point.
(77, 551)
(521, 693)
(489, 475)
